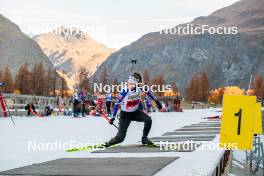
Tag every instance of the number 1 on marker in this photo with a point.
(239, 115)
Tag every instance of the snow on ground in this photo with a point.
(14, 141)
(202, 161)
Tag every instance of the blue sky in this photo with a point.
(115, 23)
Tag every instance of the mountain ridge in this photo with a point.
(228, 59)
(71, 48)
(16, 48)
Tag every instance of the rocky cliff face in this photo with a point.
(71, 48)
(228, 59)
(16, 48)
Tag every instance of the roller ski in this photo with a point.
(101, 146)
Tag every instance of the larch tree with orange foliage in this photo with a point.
(216, 96)
(175, 89)
(38, 79)
(83, 79)
(234, 90)
(258, 87)
(159, 81)
(203, 91)
(49, 78)
(146, 77)
(195, 89)
(189, 90)
(23, 81)
(6, 77)
(198, 88)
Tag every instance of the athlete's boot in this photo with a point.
(146, 141)
(106, 144)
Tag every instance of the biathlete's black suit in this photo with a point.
(129, 100)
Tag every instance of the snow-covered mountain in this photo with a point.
(71, 48)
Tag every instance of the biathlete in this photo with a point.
(129, 98)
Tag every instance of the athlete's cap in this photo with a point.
(133, 80)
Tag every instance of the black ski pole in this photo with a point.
(115, 126)
(105, 117)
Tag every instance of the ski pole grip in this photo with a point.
(104, 116)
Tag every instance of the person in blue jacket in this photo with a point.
(147, 103)
(109, 98)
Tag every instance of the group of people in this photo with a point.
(82, 103)
(128, 102)
(31, 110)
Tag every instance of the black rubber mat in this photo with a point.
(199, 129)
(182, 138)
(202, 127)
(210, 122)
(96, 167)
(190, 133)
(180, 147)
(205, 125)
(214, 121)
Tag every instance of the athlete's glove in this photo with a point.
(111, 121)
(158, 104)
